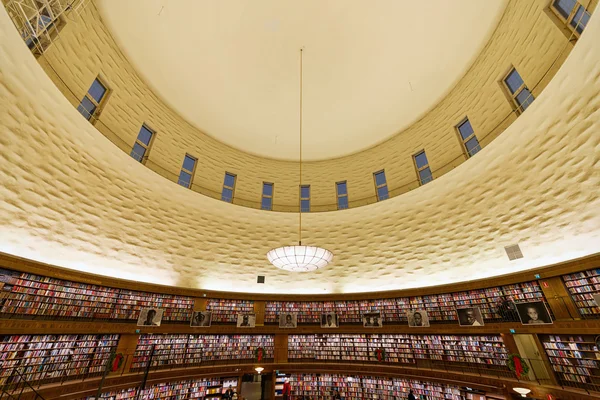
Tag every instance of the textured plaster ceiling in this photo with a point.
(231, 67)
(69, 197)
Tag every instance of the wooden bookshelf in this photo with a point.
(172, 350)
(39, 296)
(205, 388)
(581, 286)
(440, 307)
(226, 311)
(575, 359)
(487, 352)
(360, 387)
(50, 358)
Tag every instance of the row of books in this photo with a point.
(172, 349)
(440, 307)
(47, 357)
(324, 386)
(37, 295)
(185, 389)
(575, 358)
(488, 350)
(228, 310)
(583, 286)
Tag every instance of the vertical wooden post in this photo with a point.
(127, 345)
(510, 343)
(259, 310)
(199, 304)
(559, 299)
(281, 348)
(239, 386)
(546, 360)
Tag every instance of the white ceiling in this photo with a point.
(371, 68)
(70, 197)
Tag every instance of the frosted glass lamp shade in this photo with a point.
(299, 258)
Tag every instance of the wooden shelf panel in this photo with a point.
(192, 350)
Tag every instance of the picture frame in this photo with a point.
(201, 319)
(534, 313)
(329, 320)
(372, 320)
(418, 318)
(246, 320)
(596, 297)
(469, 316)
(150, 316)
(288, 320)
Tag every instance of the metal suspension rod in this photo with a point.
(300, 208)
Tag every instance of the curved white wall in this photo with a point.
(69, 197)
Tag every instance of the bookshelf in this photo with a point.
(355, 387)
(440, 307)
(129, 303)
(575, 359)
(236, 347)
(581, 286)
(172, 350)
(397, 348)
(487, 352)
(32, 295)
(206, 388)
(49, 358)
(226, 311)
(309, 312)
(50, 298)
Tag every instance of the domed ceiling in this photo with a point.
(69, 197)
(231, 68)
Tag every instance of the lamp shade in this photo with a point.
(522, 391)
(299, 258)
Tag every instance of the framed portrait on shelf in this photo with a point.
(533, 313)
(288, 320)
(246, 320)
(329, 320)
(596, 297)
(418, 318)
(201, 318)
(150, 316)
(372, 320)
(469, 316)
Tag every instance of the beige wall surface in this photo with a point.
(68, 197)
(525, 38)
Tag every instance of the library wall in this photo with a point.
(205, 388)
(354, 387)
(44, 297)
(568, 345)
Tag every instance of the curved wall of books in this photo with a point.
(61, 326)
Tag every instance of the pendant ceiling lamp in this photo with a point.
(300, 258)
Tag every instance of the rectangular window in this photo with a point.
(572, 14)
(187, 171)
(422, 165)
(342, 195)
(228, 187)
(267, 196)
(381, 185)
(517, 90)
(305, 198)
(142, 144)
(89, 106)
(468, 138)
